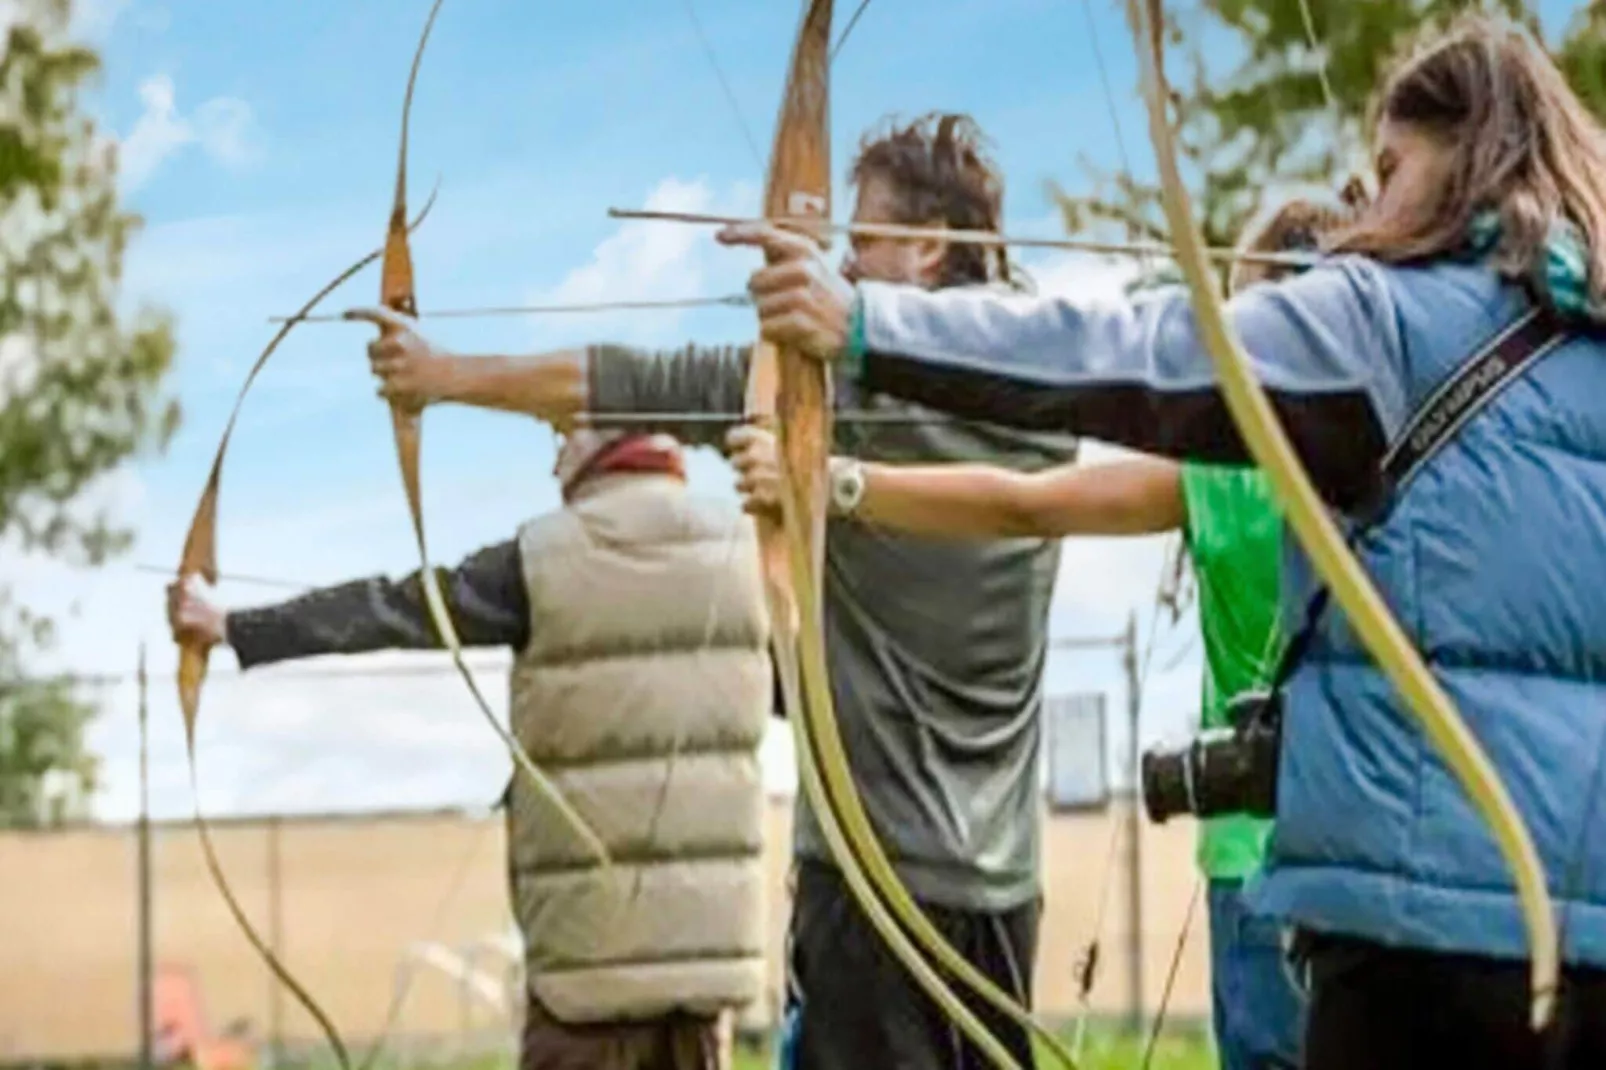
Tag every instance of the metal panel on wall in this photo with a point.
(1078, 763)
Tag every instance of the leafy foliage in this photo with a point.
(1583, 56)
(1268, 115)
(79, 390)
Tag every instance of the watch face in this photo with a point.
(850, 488)
(846, 487)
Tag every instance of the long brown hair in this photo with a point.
(938, 168)
(1519, 141)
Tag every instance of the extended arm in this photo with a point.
(549, 386)
(563, 386)
(485, 596)
(1133, 497)
(1136, 373)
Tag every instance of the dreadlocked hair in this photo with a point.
(939, 171)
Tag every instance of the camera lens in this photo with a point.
(1164, 780)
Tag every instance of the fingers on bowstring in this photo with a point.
(778, 244)
(381, 317)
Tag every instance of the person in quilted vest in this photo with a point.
(641, 682)
(935, 648)
(1490, 214)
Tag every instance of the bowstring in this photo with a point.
(724, 83)
(1087, 973)
(1171, 973)
(443, 908)
(847, 31)
(735, 540)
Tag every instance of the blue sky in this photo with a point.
(258, 142)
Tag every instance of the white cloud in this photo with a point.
(648, 260)
(223, 127)
(1081, 275)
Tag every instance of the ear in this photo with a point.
(931, 255)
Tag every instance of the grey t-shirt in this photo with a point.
(936, 647)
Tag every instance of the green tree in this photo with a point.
(1583, 56)
(1265, 112)
(80, 389)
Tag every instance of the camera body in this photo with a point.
(1231, 770)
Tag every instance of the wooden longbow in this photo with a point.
(199, 557)
(792, 394)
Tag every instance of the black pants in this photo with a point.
(856, 1007)
(1381, 1008)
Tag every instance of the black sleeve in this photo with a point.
(485, 596)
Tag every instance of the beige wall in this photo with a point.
(354, 893)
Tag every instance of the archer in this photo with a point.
(936, 668)
(1484, 250)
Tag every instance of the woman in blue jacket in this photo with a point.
(1492, 195)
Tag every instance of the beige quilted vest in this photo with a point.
(645, 690)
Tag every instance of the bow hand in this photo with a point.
(802, 302)
(413, 373)
(192, 616)
(754, 456)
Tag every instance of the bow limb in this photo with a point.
(1375, 625)
(793, 393)
(396, 292)
(199, 557)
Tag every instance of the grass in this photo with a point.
(1181, 1050)
(1183, 1047)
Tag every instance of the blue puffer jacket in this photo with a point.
(1492, 560)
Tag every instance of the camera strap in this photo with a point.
(1475, 382)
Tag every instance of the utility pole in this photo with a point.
(1127, 643)
(1134, 839)
(146, 1009)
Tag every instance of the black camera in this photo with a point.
(1231, 770)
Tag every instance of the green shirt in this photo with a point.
(1234, 532)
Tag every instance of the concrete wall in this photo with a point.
(354, 893)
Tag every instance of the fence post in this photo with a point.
(146, 1008)
(1134, 839)
(276, 943)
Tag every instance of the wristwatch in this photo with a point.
(847, 485)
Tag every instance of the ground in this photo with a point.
(1180, 1051)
